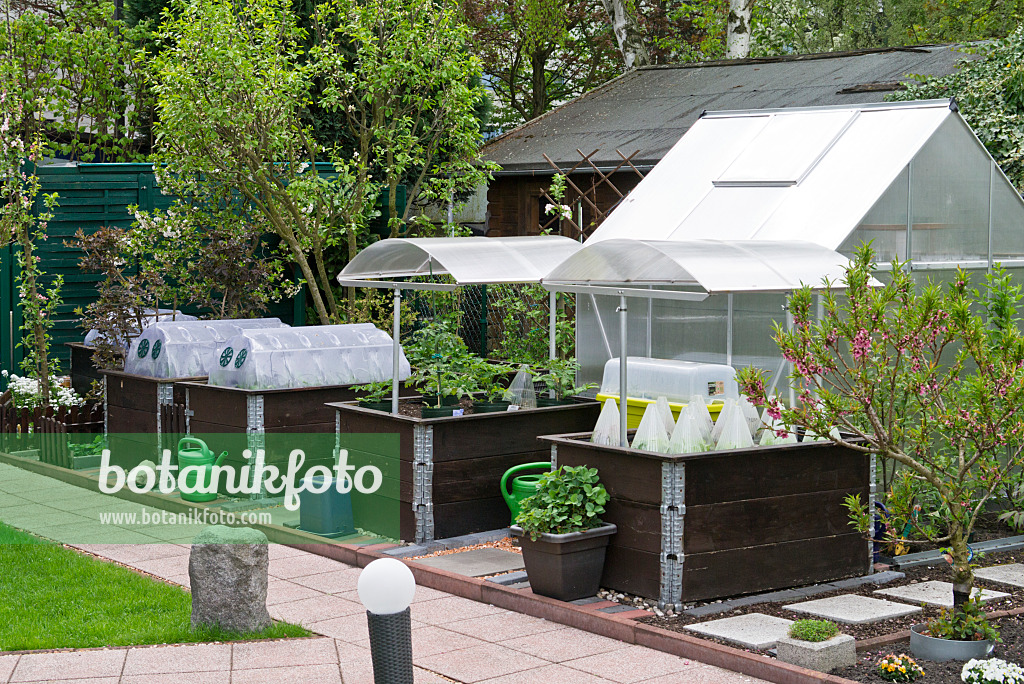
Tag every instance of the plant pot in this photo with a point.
(548, 401)
(447, 400)
(437, 411)
(565, 566)
(941, 650)
(377, 405)
(490, 406)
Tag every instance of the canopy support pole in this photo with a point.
(552, 324)
(789, 327)
(728, 332)
(396, 351)
(623, 405)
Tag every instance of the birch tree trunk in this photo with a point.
(737, 38)
(627, 33)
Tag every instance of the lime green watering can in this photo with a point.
(194, 452)
(522, 486)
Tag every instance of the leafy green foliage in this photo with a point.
(569, 499)
(40, 581)
(813, 630)
(931, 377)
(990, 93)
(442, 364)
(803, 26)
(967, 624)
(374, 391)
(525, 318)
(559, 376)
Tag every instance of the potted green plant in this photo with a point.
(491, 378)
(562, 535)
(441, 368)
(375, 396)
(962, 634)
(817, 645)
(559, 377)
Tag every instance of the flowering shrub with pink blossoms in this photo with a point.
(929, 376)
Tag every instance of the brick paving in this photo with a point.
(454, 639)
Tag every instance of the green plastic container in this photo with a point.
(194, 452)
(523, 486)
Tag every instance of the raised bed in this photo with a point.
(222, 416)
(135, 410)
(724, 523)
(449, 469)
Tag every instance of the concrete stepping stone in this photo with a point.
(935, 593)
(854, 609)
(1012, 573)
(754, 630)
(476, 562)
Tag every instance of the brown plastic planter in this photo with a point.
(565, 566)
(726, 523)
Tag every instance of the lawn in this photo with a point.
(53, 597)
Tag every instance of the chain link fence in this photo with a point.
(507, 322)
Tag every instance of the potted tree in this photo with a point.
(929, 377)
(562, 535)
(559, 377)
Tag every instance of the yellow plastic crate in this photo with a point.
(636, 408)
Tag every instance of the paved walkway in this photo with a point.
(454, 639)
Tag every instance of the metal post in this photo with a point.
(623, 393)
(728, 332)
(789, 327)
(396, 351)
(991, 202)
(552, 324)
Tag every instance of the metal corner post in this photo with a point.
(623, 391)
(396, 351)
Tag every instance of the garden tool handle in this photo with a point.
(538, 465)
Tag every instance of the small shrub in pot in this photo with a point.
(562, 534)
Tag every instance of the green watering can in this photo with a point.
(522, 486)
(194, 452)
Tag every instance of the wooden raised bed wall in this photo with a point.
(134, 415)
(725, 523)
(449, 469)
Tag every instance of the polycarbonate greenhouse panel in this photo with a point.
(149, 318)
(185, 349)
(710, 265)
(950, 197)
(312, 356)
(1007, 228)
(885, 225)
(469, 260)
(844, 159)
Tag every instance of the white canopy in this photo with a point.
(714, 266)
(469, 260)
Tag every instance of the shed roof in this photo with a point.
(650, 108)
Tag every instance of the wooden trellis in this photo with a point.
(586, 197)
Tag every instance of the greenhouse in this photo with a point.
(910, 177)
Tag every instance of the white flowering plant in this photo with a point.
(25, 392)
(992, 671)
